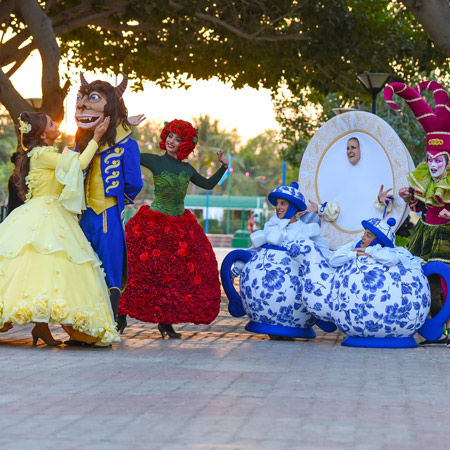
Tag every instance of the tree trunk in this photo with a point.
(39, 25)
(434, 16)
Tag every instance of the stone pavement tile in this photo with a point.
(220, 387)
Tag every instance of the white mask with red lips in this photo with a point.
(437, 166)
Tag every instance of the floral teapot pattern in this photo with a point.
(270, 293)
(373, 304)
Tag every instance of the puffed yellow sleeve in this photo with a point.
(88, 154)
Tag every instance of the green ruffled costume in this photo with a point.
(431, 238)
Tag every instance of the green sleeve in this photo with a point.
(207, 183)
(150, 161)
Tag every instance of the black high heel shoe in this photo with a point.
(121, 323)
(168, 329)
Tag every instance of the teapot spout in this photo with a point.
(432, 328)
(235, 307)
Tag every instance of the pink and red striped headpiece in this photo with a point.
(435, 123)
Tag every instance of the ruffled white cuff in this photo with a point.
(380, 206)
(68, 173)
(329, 211)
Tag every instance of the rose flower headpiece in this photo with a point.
(186, 132)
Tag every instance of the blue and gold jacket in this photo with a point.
(120, 174)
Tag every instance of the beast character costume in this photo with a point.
(112, 180)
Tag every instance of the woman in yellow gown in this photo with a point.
(48, 270)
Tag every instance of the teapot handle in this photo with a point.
(235, 307)
(432, 328)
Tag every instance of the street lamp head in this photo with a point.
(373, 82)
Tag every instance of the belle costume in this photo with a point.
(48, 270)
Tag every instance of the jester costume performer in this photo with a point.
(173, 275)
(429, 191)
(112, 180)
(48, 270)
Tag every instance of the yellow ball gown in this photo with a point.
(48, 269)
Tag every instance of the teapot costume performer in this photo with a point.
(112, 180)
(378, 243)
(270, 280)
(378, 295)
(283, 228)
(173, 276)
(49, 272)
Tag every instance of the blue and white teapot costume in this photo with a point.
(380, 298)
(270, 281)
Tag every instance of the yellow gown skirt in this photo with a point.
(50, 273)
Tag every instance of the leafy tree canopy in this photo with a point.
(320, 44)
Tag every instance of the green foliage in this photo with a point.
(215, 227)
(8, 145)
(211, 139)
(323, 44)
(259, 158)
(8, 137)
(401, 241)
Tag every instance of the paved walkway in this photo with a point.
(221, 387)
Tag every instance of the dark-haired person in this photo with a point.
(173, 275)
(48, 270)
(113, 179)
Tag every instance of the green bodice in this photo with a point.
(171, 177)
(170, 190)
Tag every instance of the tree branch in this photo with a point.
(21, 57)
(8, 50)
(11, 98)
(41, 29)
(6, 10)
(434, 16)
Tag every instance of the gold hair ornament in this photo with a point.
(24, 128)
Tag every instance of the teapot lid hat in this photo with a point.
(290, 193)
(384, 231)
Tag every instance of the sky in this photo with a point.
(248, 110)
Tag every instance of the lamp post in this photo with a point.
(373, 83)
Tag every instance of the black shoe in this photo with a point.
(121, 323)
(74, 343)
(443, 342)
(275, 337)
(94, 345)
(168, 329)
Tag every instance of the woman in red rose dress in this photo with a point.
(173, 275)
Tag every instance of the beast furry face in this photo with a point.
(97, 100)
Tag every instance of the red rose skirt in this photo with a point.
(172, 270)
